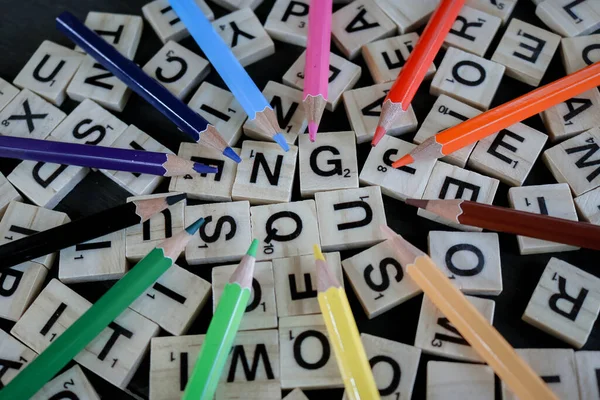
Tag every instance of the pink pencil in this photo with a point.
(316, 70)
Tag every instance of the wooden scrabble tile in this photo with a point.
(526, 51)
(49, 71)
(208, 187)
(473, 31)
(99, 259)
(7, 194)
(555, 366)
(454, 381)
(296, 283)
(343, 75)
(588, 206)
(266, 173)
(350, 218)
(93, 81)
(499, 8)
(221, 109)
(142, 238)
(122, 31)
(137, 184)
(296, 394)
(261, 312)
(224, 236)
(114, 354)
(288, 21)
(394, 366)
(172, 360)
(357, 24)
(450, 182)
(30, 116)
(436, 335)
(244, 34)
(574, 161)
(22, 220)
(570, 18)
(401, 183)
(233, 5)
(19, 285)
(45, 184)
(287, 104)
(7, 93)
(385, 58)
(379, 280)
(579, 52)
(554, 200)
(177, 68)
(573, 116)
(71, 384)
(327, 164)
(166, 23)
(408, 16)
(470, 259)
(307, 360)
(588, 365)
(15, 357)
(174, 301)
(363, 108)
(285, 230)
(468, 78)
(510, 154)
(565, 303)
(447, 112)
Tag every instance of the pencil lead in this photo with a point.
(252, 249)
(313, 127)
(406, 160)
(205, 169)
(379, 134)
(417, 203)
(280, 139)
(230, 153)
(193, 228)
(176, 198)
(317, 252)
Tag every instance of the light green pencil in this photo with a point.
(222, 330)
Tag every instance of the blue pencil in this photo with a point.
(187, 120)
(233, 74)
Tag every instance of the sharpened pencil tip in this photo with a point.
(379, 134)
(175, 198)
(317, 252)
(205, 169)
(417, 203)
(230, 153)
(280, 139)
(193, 228)
(407, 159)
(313, 127)
(252, 249)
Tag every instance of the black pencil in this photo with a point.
(84, 229)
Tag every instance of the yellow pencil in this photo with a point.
(343, 333)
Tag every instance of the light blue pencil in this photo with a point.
(233, 74)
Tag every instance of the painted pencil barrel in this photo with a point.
(316, 70)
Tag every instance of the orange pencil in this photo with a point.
(503, 116)
(412, 74)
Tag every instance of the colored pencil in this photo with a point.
(187, 120)
(508, 220)
(87, 327)
(343, 334)
(316, 69)
(111, 158)
(84, 229)
(229, 68)
(413, 72)
(221, 332)
(473, 326)
(503, 116)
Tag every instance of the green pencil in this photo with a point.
(98, 316)
(222, 330)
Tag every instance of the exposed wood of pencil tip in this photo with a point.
(212, 138)
(390, 112)
(177, 166)
(266, 121)
(406, 252)
(149, 207)
(173, 246)
(244, 273)
(325, 278)
(448, 209)
(430, 149)
(314, 106)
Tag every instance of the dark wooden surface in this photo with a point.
(25, 24)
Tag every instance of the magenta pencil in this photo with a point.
(316, 70)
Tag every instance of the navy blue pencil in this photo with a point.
(187, 120)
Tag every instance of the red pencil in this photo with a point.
(412, 74)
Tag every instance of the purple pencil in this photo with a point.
(83, 155)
